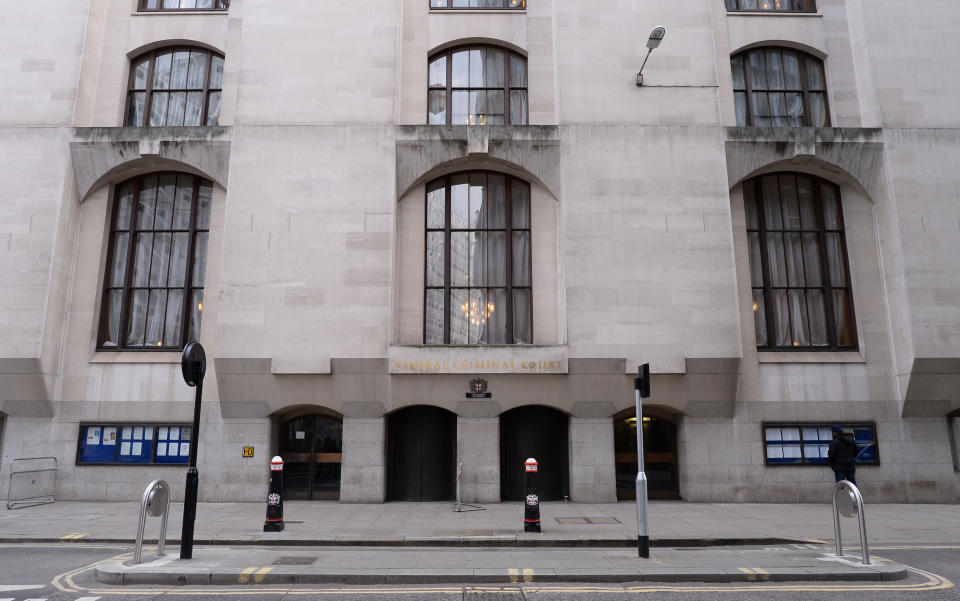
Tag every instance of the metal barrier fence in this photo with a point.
(850, 504)
(33, 481)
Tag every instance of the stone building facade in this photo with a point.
(318, 141)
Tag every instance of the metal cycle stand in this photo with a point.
(849, 504)
(459, 506)
(155, 502)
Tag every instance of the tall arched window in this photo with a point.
(153, 286)
(477, 85)
(779, 87)
(175, 86)
(477, 269)
(798, 264)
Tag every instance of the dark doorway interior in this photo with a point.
(660, 458)
(538, 432)
(421, 453)
(312, 450)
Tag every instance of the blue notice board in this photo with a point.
(98, 444)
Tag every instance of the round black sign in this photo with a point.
(194, 363)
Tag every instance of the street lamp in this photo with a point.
(656, 36)
(194, 367)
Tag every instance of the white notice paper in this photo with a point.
(301, 435)
(127, 432)
(161, 449)
(174, 433)
(93, 435)
(124, 448)
(185, 434)
(148, 433)
(162, 433)
(138, 433)
(110, 436)
(184, 449)
(138, 448)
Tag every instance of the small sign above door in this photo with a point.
(248, 451)
(478, 389)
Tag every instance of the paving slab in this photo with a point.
(470, 565)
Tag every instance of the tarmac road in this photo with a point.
(55, 572)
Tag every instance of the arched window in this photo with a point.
(477, 272)
(175, 86)
(779, 6)
(779, 87)
(153, 286)
(477, 85)
(798, 264)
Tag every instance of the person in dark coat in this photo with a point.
(842, 455)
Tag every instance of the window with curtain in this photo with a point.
(157, 257)
(151, 5)
(779, 87)
(779, 6)
(798, 264)
(477, 85)
(479, 4)
(175, 86)
(477, 270)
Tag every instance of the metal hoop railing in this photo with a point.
(156, 502)
(850, 504)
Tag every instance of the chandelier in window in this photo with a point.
(476, 312)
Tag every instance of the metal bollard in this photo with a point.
(155, 502)
(274, 521)
(531, 510)
(850, 504)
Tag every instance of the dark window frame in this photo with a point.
(520, 5)
(821, 461)
(148, 89)
(119, 425)
(506, 89)
(186, 304)
(738, 7)
(447, 230)
(756, 193)
(748, 90)
(219, 6)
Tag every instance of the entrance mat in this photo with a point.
(600, 520)
(295, 561)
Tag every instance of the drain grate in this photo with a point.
(598, 520)
(295, 561)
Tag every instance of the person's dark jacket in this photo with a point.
(842, 453)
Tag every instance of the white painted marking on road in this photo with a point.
(8, 599)
(7, 588)
(33, 599)
(87, 599)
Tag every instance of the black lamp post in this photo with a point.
(194, 366)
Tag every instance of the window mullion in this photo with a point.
(446, 260)
(186, 305)
(748, 87)
(449, 61)
(148, 89)
(805, 90)
(825, 266)
(508, 221)
(127, 294)
(765, 265)
(206, 89)
(506, 89)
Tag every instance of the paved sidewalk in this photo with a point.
(378, 566)
(434, 524)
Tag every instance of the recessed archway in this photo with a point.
(660, 454)
(421, 453)
(311, 445)
(542, 433)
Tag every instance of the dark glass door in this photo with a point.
(541, 433)
(312, 450)
(421, 453)
(660, 457)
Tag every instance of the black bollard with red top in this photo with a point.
(531, 510)
(274, 521)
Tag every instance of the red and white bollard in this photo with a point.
(531, 509)
(274, 521)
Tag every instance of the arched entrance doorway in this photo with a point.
(539, 432)
(312, 450)
(660, 457)
(421, 452)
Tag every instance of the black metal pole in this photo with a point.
(193, 481)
